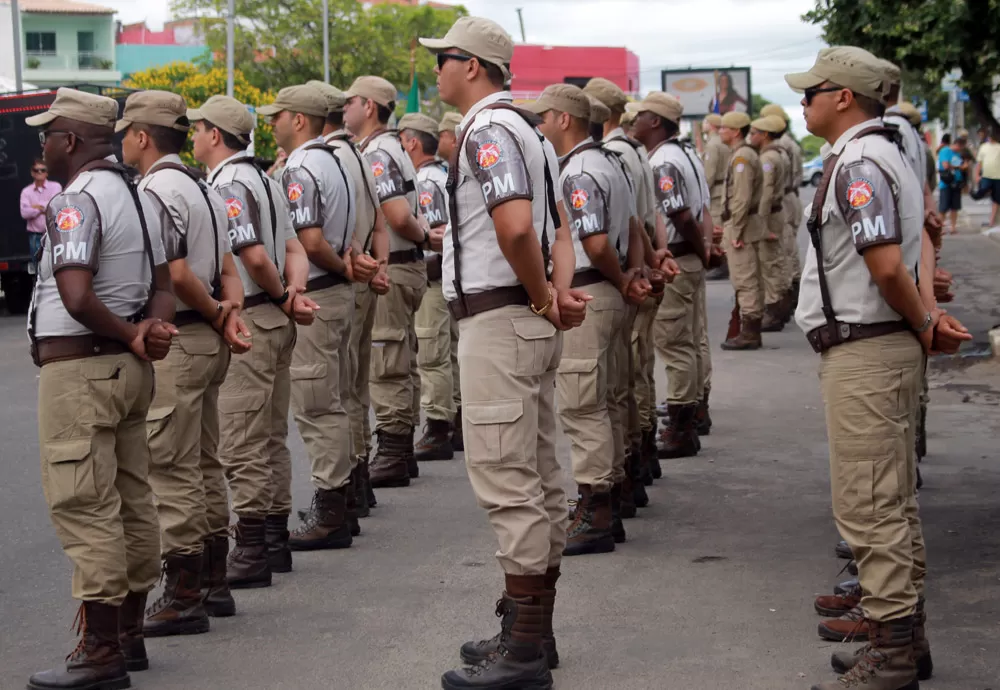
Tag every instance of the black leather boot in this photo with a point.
(276, 534)
(179, 610)
(247, 567)
(326, 526)
(436, 443)
(389, 467)
(97, 663)
(633, 467)
(590, 531)
(130, 619)
(215, 594)
(617, 526)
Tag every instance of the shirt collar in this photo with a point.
(339, 133)
(616, 132)
(169, 158)
(489, 100)
(841, 143)
(588, 140)
(218, 169)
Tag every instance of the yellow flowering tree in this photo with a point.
(197, 85)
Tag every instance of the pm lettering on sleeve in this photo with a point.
(389, 182)
(242, 216)
(587, 207)
(305, 206)
(498, 165)
(432, 203)
(864, 194)
(74, 231)
(670, 193)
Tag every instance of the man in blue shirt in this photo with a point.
(952, 170)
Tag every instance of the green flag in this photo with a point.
(413, 101)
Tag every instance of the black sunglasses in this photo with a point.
(38, 170)
(811, 93)
(444, 57)
(45, 133)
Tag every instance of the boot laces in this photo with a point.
(79, 628)
(871, 662)
(859, 618)
(161, 603)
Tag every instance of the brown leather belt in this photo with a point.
(776, 208)
(186, 318)
(328, 280)
(406, 256)
(61, 348)
(488, 301)
(822, 339)
(682, 248)
(256, 300)
(588, 276)
(434, 268)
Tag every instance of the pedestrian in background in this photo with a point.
(953, 170)
(34, 198)
(987, 175)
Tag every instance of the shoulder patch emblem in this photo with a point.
(666, 183)
(426, 199)
(740, 167)
(69, 218)
(488, 155)
(294, 191)
(378, 168)
(234, 207)
(860, 193)
(579, 199)
(768, 167)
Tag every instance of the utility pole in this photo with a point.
(230, 20)
(326, 41)
(520, 20)
(15, 20)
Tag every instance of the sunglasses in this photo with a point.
(46, 133)
(811, 93)
(444, 57)
(39, 170)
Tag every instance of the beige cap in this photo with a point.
(478, 36)
(628, 117)
(774, 109)
(962, 134)
(853, 68)
(373, 88)
(892, 72)
(80, 106)
(608, 93)
(226, 113)
(160, 108)
(565, 98)
(450, 122)
(297, 99)
(420, 123)
(599, 113)
(714, 119)
(735, 120)
(659, 103)
(910, 112)
(335, 98)
(771, 124)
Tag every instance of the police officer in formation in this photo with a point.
(715, 157)
(792, 205)
(775, 178)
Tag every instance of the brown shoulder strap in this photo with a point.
(323, 146)
(346, 138)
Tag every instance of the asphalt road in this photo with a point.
(713, 590)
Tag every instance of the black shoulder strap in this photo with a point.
(683, 146)
(346, 138)
(348, 230)
(628, 140)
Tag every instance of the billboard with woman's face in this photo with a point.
(705, 91)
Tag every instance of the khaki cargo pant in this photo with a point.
(433, 325)
(643, 357)
(321, 379)
(790, 241)
(772, 270)
(870, 389)
(395, 379)
(744, 274)
(358, 402)
(508, 360)
(95, 465)
(701, 337)
(182, 428)
(253, 405)
(622, 405)
(587, 388)
(677, 331)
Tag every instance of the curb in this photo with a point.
(994, 336)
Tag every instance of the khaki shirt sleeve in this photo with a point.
(712, 162)
(772, 189)
(740, 189)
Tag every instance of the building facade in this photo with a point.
(536, 66)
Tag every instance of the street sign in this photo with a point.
(921, 108)
(962, 95)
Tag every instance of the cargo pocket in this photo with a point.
(428, 347)
(390, 353)
(580, 385)
(269, 319)
(533, 344)
(105, 382)
(201, 343)
(867, 477)
(68, 474)
(310, 390)
(160, 430)
(491, 434)
(237, 413)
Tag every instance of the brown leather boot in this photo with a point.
(748, 338)
(774, 318)
(633, 468)
(702, 419)
(178, 611)
(617, 526)
(648, 450)
(457, 436)
(886, 663)
(411, 460)
(215, 595)
(645, 470)
(326, 526)
(133, 643)
(97, 663)
(351, 507)
(836, 605)
(520, 660)
(680, 437)
(366, 481)
(628, 510)
(436, 443)
(247, 566)
(590, 531)
(843, 662)
(276, 534)
(360, 491)
(850, 627)
(389, 467)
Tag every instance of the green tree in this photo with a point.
(925, 37)
(757, 103)
(811, 145)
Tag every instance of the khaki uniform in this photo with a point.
(395, 379)
(743, 222)
(871, 386)
(254, 400)
(320, 194)
(715, 157)
(508, 355)
(437, 330)
(183, 421)
(92, 410)
(793, 208)
(771, 210)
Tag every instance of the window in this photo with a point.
(577, 81)
(40, 43)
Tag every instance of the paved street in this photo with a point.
(713, 590)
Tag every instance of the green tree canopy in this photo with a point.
(811, 145)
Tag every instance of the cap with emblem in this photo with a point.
(608, 93)
(226, 113)
(160, 108)
(659, 103)
(565, 98)
(335, 98)
(735, 120)
(910, 112)
(297, 99)
(80, 106)
(847, 66)
(420, 123)
(480, 37)
(599, 113)
(893, 74)
(714, 119)
(373, 88)
(450, 122)
(774, 109)
(772, 124)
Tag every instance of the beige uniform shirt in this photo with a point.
(637, 164)
(432, 195)
(680, 184)
(795, 154)
(742, 197)
(93, 224)
(775, 176)
(873, 199)
(365, 194)
(912, 149)
(715, 158)
(395, 177)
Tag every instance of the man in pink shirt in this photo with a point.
(34, 198)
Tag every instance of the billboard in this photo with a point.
(704, 91)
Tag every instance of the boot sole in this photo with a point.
(539, 684)
(281, 568)
(221, 611)
(604, 545)
(834, 636)
(440, 455)
(250, 584)
(740, 348)
(322, 545)
(195, 627)
(666, 454)
(109, 684)
(134, 665)
(390, 484)
(915, 685)
(830, 613)
(925, 667)
(552, 659)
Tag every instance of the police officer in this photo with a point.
(764, 134)
(395, 381)
(507, 222)
(447, 137)
(792, 205)
(371, 257)
(93, 333)
(743, 229)
(183, 420)
(861, 308)
(254, 400)
(320, 196)
(433, 323)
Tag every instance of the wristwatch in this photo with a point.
(928, 320)
(280, 300)
(544, 309)
(427, 239)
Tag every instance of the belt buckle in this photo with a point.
(845, 331)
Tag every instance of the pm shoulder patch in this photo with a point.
(389, 182)
(242, 216)
(587, 206)
(305, 204)
(73, 226)
(670, 192)
(432, 203)
(864, 196)
(498, 165)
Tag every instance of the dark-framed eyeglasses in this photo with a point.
(811, 93)
(39, 170)
(46, 133)
(444, 57)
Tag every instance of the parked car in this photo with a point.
(812, 172)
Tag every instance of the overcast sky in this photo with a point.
(766, 35)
